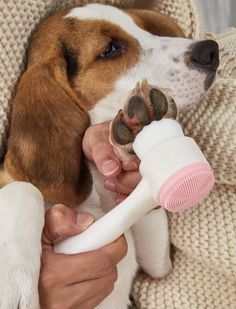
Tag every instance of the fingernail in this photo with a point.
(110, 185)
(109, 167)
(84, 220)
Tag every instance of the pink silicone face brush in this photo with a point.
(175, 175)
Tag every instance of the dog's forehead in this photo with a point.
(114, 16)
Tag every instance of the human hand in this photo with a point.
(120, 177)
(78, 281)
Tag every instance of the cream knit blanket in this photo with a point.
(203, 238)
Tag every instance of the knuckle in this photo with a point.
(54, 215)
(57, 210)
(58, 217)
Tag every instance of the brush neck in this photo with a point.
(155, 133)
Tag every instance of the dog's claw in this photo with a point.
(172, 110)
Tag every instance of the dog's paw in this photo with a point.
(144, 105)
(151, 235)
(160, 271)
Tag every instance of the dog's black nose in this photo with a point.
(205, 54)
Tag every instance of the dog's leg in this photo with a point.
(152, 243)
(144, 105)
(21, 224)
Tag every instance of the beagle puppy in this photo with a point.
(85, 64)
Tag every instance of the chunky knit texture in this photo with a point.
(203, 238)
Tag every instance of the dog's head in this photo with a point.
(83, 63)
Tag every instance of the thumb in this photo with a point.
(105, 160)
(61, 221)
(98, 149)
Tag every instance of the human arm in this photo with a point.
(79, 280)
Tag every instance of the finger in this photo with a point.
(98, 149)
(124, 183)
(70, 269)
(120, 198)
(105, 160)
(117, 250)
(132, 164)
(61, 221)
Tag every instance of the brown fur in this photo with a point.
(156, 23)
(50, 111)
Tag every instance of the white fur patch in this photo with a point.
(21, 224)
(114, 16)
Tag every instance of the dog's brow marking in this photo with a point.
(114, 16)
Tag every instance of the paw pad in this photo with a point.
(145, 104)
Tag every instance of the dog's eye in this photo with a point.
(112, 51)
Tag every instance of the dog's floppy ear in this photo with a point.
(47, 126)
(158, 23)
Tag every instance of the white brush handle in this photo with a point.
(175, 175)
(111, 226)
